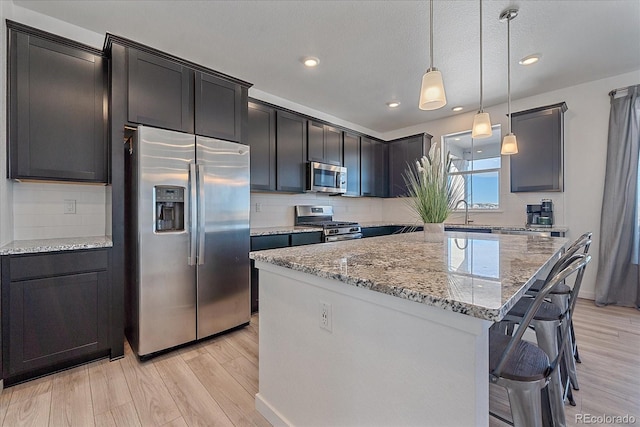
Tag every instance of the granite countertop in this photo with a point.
(477, 274)
(560, 229)
(267, 231)
(54, 245)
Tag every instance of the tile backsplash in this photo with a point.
(277, 210)
(39, 210)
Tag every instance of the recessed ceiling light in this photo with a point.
(478, 151)
(531, 59)
(456, 139)
(457, 108)
(393, 104)
(310, 61)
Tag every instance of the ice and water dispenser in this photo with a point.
(169, 211)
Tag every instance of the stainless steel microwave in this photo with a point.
(326, 178)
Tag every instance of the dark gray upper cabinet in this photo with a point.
(538, 166)
(57, 113)
(219, 107)
(160, 92)
(324, 143)
(381, 169)
(352, 163)
(402, 153)
(262, 142)
(291, 152)
(373, 168)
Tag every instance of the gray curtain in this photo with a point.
(618, 278)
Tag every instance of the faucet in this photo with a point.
(466, 210)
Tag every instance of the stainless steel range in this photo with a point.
(322, 216)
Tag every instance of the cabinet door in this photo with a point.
(539, 162)
(402, 153)
(218, 108)
(352, 163)
(160, 92)
(55, 319)
(315, 141)
(262, 142)
(367, 182)
(332, 145)
(57, 121)
(380, 169)
(291, 155)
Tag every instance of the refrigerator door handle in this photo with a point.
(201, 215)
(193, 211)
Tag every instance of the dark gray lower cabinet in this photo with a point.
(55, 311)
(274, 241)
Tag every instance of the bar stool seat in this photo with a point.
(528, 362)
(547, 312)
(559, 289)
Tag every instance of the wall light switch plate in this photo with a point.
(69, 206)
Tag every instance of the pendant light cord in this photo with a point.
(431, 35)
(509, 70)
(481, 81)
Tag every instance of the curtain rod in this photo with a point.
(620, 89)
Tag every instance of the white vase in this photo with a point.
(433, 232)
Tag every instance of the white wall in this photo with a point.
(586, 126)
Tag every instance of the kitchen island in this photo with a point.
(388, 330)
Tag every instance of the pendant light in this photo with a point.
(432, 94)
(509, 143)
(481, 121)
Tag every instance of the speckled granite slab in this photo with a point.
(477, 274)
(54, 245)
(554, 229)
(267, 231)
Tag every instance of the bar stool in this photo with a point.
(526, 370)
(551, 325)
(561, 296)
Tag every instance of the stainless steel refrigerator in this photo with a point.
(189, 237)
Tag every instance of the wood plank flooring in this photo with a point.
(213, 382)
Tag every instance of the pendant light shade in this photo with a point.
(481, 121)
(509, 145)
(481, 125)
(509, 142)
(432, 94)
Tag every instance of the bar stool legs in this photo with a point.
(546, 335)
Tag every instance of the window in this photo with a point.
(476, 163)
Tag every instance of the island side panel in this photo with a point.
(387, 361)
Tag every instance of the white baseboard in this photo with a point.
(270, 413)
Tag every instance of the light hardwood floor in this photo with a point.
(214, 382)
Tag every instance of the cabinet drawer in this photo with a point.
(31, 266)
(298, 239)
(259, 243)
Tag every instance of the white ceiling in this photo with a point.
(372, 52)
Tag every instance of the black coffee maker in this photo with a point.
(540, 215)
